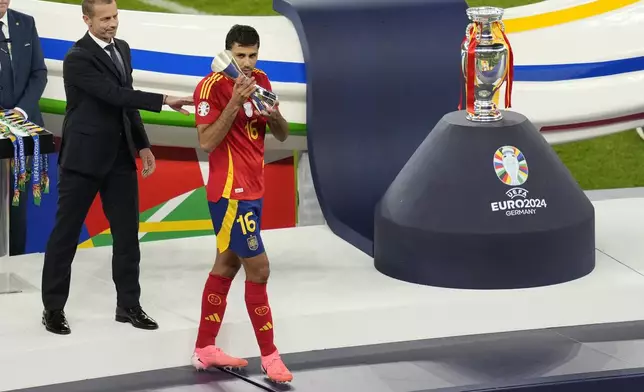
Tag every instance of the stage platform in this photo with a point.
(340, 324)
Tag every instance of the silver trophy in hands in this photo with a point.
(225, 63)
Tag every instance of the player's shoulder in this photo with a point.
(260, 75)
(258, 71)
(209, 83)
(212, 79)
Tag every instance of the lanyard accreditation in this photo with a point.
(14, 127)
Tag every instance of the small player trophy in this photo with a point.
(225, 63)
(487, 62)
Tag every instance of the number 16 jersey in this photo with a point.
(236, 165)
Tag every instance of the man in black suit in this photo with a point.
(102, 131)
(23, 77)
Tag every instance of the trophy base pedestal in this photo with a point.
(485, 112)
(485, 117)
(484, 206)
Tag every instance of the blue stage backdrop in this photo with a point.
(40, 219)
(380, 74)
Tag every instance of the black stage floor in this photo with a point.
(585, 358)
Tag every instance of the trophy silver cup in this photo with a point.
(487, 62)
(225, 63)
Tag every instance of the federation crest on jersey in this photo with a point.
(253, 244)
(248, 109)
(203, 109)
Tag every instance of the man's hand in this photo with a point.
(242, 90)
(177, 103)
(149, 162)
(18, 112)
(272, 114)
(276, 122)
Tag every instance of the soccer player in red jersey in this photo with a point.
(232, 131)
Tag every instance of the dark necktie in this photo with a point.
(116, 60)
(5, 56)
(7, 98)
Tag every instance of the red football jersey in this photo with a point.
(236, 166)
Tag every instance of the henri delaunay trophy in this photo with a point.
(225, 63)
(487, 62)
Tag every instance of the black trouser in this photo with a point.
(119, 196)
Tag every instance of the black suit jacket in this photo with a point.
(101, 107)
(29, 70)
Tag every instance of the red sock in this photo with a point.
(260, 316)
(213, 306)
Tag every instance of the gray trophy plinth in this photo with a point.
(484, 206)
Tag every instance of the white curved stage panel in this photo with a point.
(575, 80)
(584, 77)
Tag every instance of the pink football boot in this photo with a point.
(212, 356)
(274, 368)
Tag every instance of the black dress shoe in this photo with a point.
(135, 316)
(55, 322)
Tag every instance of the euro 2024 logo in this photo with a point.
(511, 168)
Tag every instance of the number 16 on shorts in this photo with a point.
(237, 226)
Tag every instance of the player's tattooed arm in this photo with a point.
(211, 135)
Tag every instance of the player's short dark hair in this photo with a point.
(242, 35)
(87, 6)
